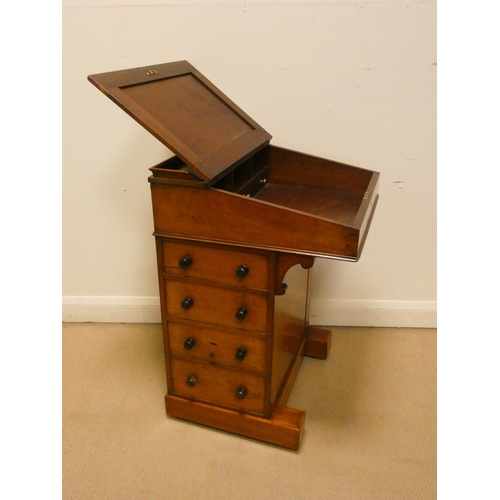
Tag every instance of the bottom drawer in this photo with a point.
(218, 385)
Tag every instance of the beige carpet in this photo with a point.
(370, 425)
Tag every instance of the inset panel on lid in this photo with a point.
(187, 113)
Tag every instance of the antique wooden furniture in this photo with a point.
(238, 223)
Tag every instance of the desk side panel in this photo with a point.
(290, 322)
(219, 216)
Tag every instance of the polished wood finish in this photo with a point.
(187, 113)
(292, 373)
(258, 225)
(289, 324)
(217, 306)
(284, 428)
(217, 346)
(217, 385)
(285, 262)
(223, 262)
(238, 223)
(317, 342)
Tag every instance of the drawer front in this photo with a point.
(217, 385)
(225, 266)
(218, 306)
(217, 347)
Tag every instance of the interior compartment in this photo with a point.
(328, 189)
(248, 178)
(333, 204)
(174, 168)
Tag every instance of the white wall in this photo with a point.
(349, 81)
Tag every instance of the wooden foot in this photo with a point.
(318, 342)
(284, 428)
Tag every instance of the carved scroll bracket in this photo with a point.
(286, 261)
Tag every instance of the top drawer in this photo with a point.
(216, 264)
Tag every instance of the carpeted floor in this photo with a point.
(370, 429)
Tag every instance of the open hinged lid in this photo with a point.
(187, 113)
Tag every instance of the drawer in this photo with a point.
(217, 264)
(221, 348)
(219, 306)
(217, 385)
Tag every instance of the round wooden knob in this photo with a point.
(187, 303)
(242, 271)
(189, 343)
(241, 392)
(191, 381)
(241, 352)
(185, 262)
(241, 313)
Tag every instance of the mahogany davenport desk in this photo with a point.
(238, 223)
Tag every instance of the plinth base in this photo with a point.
(285, 426)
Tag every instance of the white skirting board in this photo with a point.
(388, 313)
(111, 309)
(381, 313)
